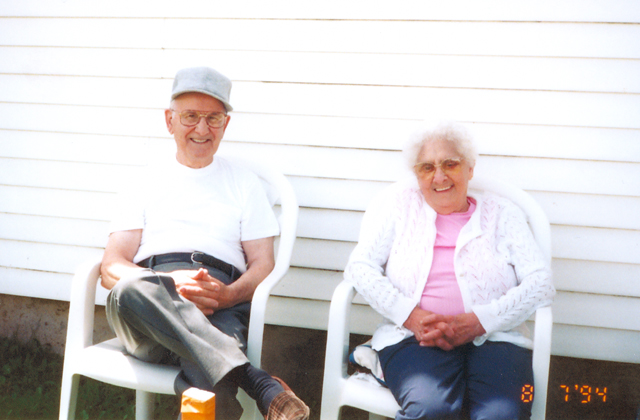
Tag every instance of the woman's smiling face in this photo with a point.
(445, 190)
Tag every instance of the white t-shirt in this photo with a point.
(210, 210)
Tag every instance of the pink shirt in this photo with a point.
(441, 294)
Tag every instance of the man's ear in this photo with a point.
(168, 116)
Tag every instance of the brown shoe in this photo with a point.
(282, 383)
(286, 406)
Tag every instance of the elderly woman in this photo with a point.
(455, 275)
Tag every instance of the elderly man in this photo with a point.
(189, 244)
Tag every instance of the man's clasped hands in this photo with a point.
(204, 290)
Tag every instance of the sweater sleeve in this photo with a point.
(366, 266)
(535, 287)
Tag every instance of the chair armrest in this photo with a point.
(82, 306)
(288, 222)
(338, 332)
(258, 313)
(542, 336)
(541, 357)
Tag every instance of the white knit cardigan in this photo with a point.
(501, 272)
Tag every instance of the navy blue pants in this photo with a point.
(476, 382)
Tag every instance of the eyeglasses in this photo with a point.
(191, 118)
(449, 166)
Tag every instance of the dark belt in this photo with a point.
(191, 257)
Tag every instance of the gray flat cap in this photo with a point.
(204, 80)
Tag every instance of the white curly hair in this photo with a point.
(450, 131)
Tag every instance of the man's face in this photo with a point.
(198, 143)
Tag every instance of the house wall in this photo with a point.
(328, 92)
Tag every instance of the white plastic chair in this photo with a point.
(341, 390)
(107, 362)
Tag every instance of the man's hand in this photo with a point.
(206, 292)
(210, 294)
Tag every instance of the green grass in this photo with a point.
(30, 376)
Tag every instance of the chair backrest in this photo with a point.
(536, 217)
(540, 227)
(79, 344)
(340, 390)
(279, 191)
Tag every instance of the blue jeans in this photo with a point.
(477, 382)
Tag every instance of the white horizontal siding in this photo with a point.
(611, 110)
(28, 282)
(67, 147)
(597, 277)
(571, 276)
(541, 39)
(43, 257)
(51, 202)
(412, 69)
(469, 10)
(86, 233)
(77, 142)
(568, 243)
(551, 175)
(328, 93)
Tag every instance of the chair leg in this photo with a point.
(69, 396)
(145, 404)
(249, 409)
(330, 410)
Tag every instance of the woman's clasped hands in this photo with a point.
(443, 331)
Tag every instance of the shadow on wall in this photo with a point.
(44, 320)
(294, 354)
